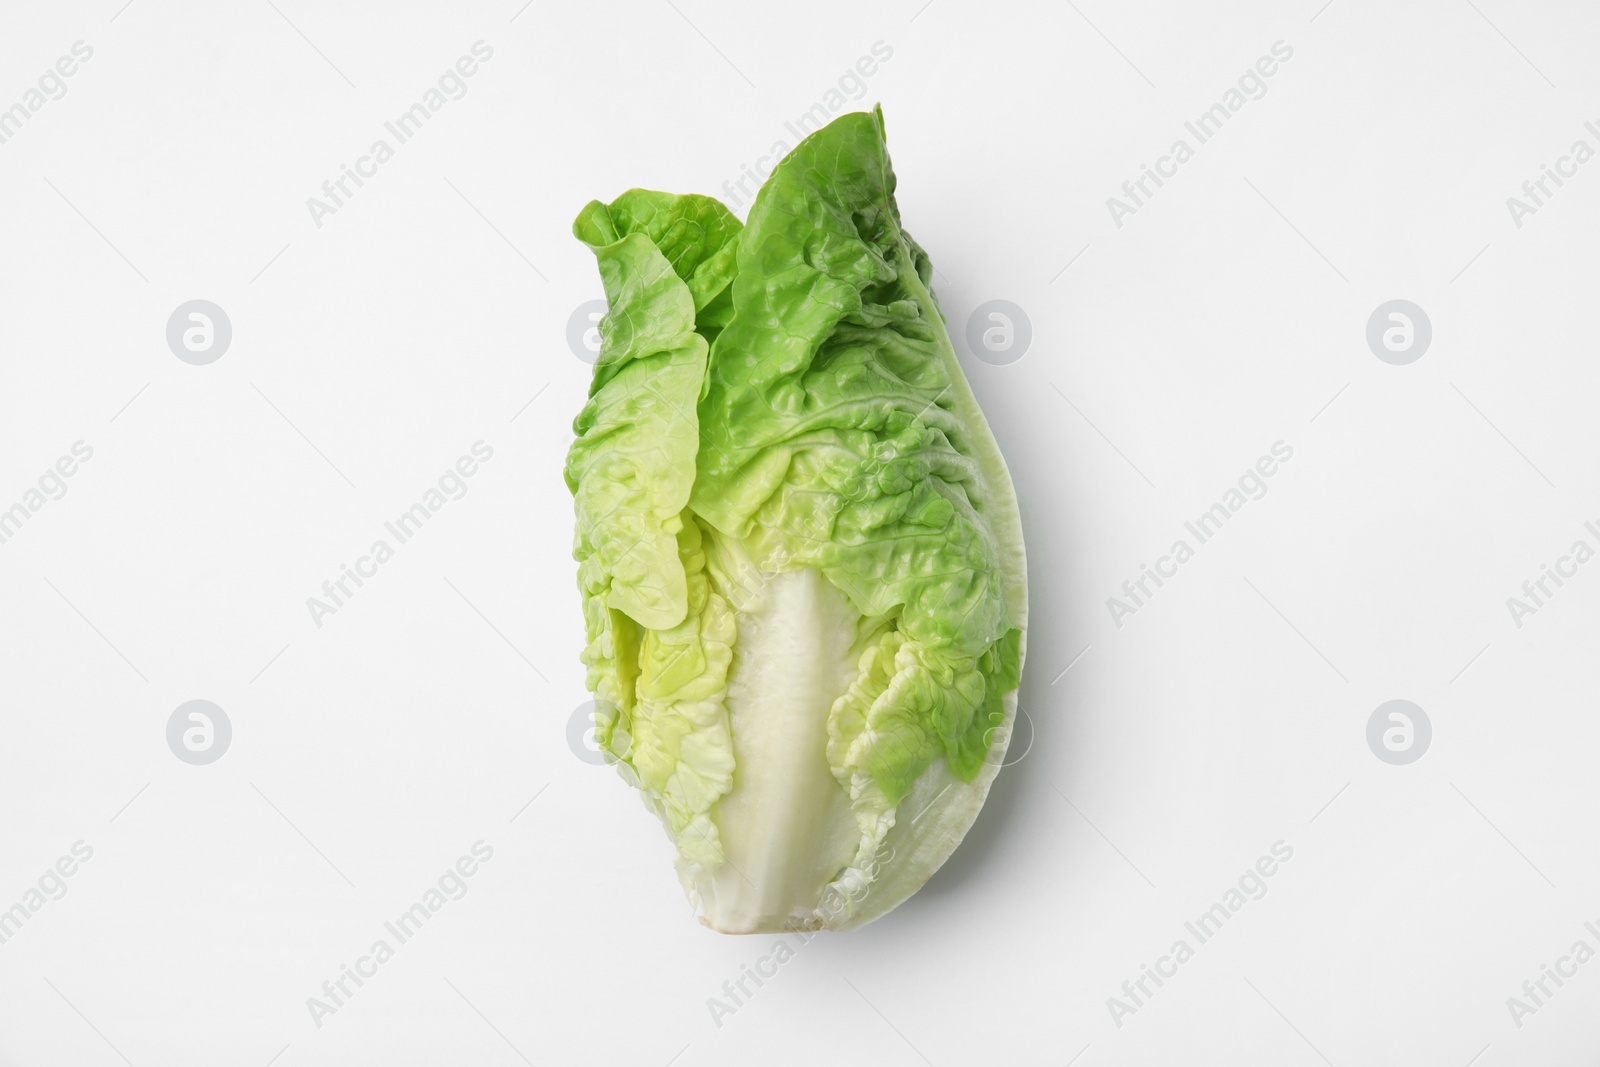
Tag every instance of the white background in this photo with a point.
(430, 312)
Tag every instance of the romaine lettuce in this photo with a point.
(799, 549)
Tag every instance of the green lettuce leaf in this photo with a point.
(658, 639)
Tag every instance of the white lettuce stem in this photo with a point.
(786, 826)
